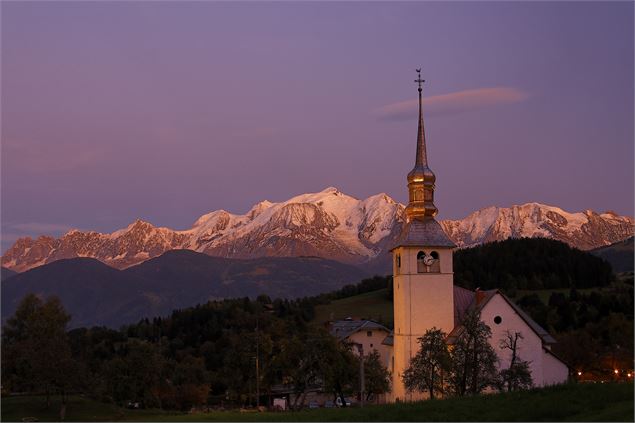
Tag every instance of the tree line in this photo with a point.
(219, 354)
(529, 264)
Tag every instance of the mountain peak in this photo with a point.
(331, 190)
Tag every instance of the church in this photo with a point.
(425, 297)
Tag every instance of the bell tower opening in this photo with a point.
(421, 267)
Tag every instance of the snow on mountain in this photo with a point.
(328, 224)
(583, 230)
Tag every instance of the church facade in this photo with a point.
(425, 296)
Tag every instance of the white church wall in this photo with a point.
(554, 371)
(529, 348)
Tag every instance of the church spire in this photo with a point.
(422, 157)
(421, 179)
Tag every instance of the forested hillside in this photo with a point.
(529, 263)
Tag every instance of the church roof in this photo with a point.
(423, 232)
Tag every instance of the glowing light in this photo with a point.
(616, 371)
(628, 374)
(579, 373)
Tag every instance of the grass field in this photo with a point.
(371, 305)
(583, 402)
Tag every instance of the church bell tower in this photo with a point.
(423, 289)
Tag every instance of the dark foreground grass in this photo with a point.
(588, 402)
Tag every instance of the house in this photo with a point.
(367, 334)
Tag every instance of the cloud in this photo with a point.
(453, 103)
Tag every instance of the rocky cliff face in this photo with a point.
(327, 224)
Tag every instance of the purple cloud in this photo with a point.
(453, 103)
(45, 157)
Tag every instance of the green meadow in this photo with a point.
(573, 402)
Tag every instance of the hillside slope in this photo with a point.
(96, 294)
(6, 273)
(620, 255)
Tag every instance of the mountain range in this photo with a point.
(327, 224)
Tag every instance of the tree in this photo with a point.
(518, 375)
(427, 367)
(36, 353)
(187, 387)
(134, 373)
(316, 358)
(473, 360)
(376, 375)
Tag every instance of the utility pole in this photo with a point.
(362, 387)
(257, 360)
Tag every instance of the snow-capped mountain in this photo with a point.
(327, 224)
(583, 230)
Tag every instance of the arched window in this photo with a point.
(398, 262)
(421, 267)
(436, 264)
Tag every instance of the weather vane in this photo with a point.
(419, 80)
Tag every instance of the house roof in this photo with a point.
(389, 340)
(342, 329)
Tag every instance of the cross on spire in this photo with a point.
(419, 80)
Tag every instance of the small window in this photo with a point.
(498, 320)
(371, 345)
(369, 333)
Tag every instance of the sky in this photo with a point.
(164, 111)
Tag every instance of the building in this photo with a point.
(365, 336)
(425, 296)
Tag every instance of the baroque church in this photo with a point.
(425, 297)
